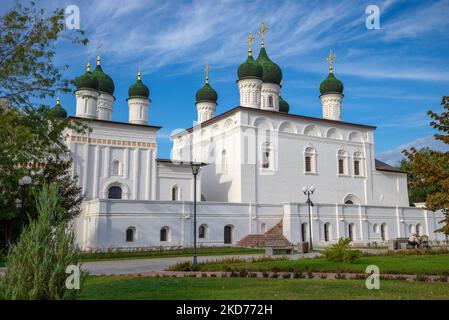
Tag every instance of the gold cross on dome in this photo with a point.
(207, 72)
(249, 41)
(261, 33)
(100, 45)
(330, 59)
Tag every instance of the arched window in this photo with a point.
(228, 230)
(175, 193)
(304, 231)
(383, 231)
(351, 199)
(164, 236)
(270, 102)
(309, 160)
(376, 228)
(266, 155)
(351, 231)
(327, 231)
(202, 231)
(418, 229)
(130, 234)
(342, 160)
(224, 162)
(411, 228)
(115, 192)
(358, 164)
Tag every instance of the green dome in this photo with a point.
(250, 69)
(283, 105)
(138, 89)
(206, 94)
(86, 81)
(331, 85)
(271, 71)
(105, 83)
(58, 111)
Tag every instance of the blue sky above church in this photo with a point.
(392, 76)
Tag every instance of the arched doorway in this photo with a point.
(228, 234)
(383, 231)
(115, 192)
(304, 232)
(326, 231)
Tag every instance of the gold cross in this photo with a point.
(207, 72)
(261, 33)
(99, 51)
(249, 41)
(330, 59)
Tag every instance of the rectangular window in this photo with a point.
(357, 167)
(308, 164)
(266, 160)
(341, 168)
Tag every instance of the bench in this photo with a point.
(272, 251)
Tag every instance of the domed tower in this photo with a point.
(86, 95)
(250, 79)
(106, 89)
(271, 77)
(331, 90)
(206, 100)
(138, 101)
(283, 105)
(58, 111)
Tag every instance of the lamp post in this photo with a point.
(195, 170)
(24, 182)
(308, 191)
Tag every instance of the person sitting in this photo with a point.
(413, 240)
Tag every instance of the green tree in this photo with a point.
(27, 48)
(36, 265)
(417, 189)
(432, 168)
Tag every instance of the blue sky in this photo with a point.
(392, 76)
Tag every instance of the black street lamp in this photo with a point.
(24, 182)
(195, 170)
(308, 192)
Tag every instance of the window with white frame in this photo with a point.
(266, 155)
(116, 168)
(358, 164)
(310, 160)
(175, 193)
(130, 234)
(342, 162)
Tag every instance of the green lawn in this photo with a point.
(410, 264)
(148, 254)
(116, 287)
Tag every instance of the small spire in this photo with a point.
(88, 67)
(139, 75)
(330, 59)
(99, 53)
(261, 33)
(58, 101)
(249, 41)
(98, 60)
(207, 72)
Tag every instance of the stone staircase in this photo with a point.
(272, 238)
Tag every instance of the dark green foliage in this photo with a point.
(341, 252)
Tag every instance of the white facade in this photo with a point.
(258, 160)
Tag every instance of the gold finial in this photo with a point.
(330, 59)
(139, 74)
(249, 41)
(98, 56)
(88, 66)
(58, 102)
(207, 72)
(261, 33)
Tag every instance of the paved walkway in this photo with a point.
(136, 266)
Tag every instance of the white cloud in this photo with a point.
(393, 156)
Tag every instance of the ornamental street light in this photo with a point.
(24, 182)
(308, 191)
(195, 170)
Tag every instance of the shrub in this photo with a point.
(341, 252)
(323, 276)
(265, 274)
(253, 275)
(286, 276)
(243, 274)
(36, 264)
(274, 275)
(204, 275)
(181, 266)
(298, 275)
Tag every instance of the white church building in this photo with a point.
(258, 158)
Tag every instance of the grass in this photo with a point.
(126, 287)
(408, 264)
(164, 253)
